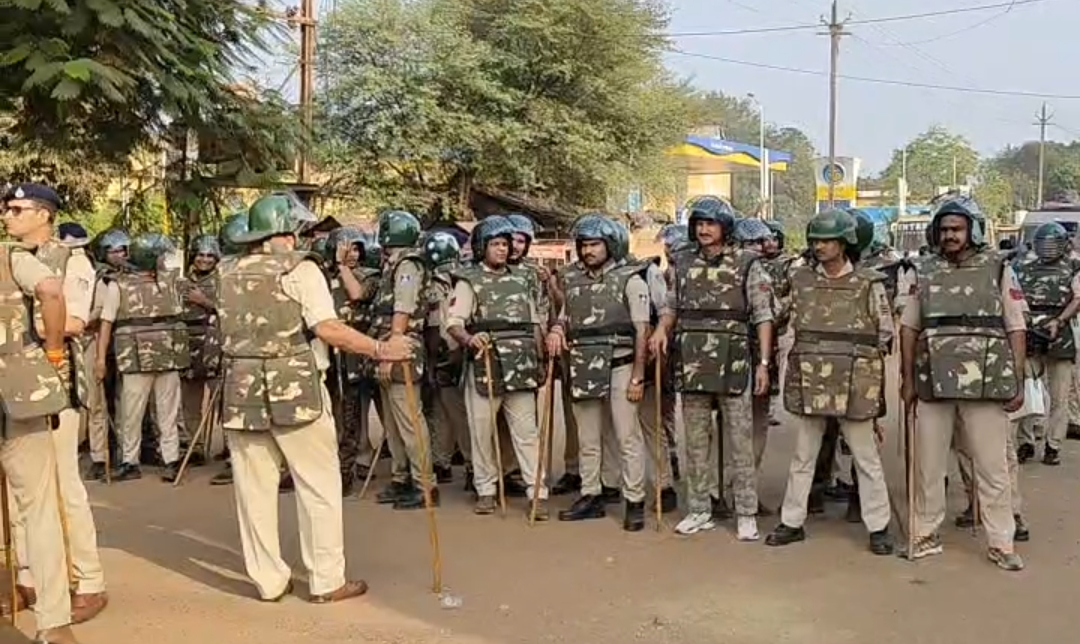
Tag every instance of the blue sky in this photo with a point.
(1031, 47)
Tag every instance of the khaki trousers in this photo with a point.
(26, 455)
(452, 421)
(402, 433)
(82, 533)
(1057, 377)
(97, 415)
(137, 388)
(310, 454)
(859, 435)
(964, 464)
(520, 410)
(1074, 396)
(618, 417)
(984, 428)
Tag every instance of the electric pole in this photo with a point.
(306, 20)
(836, 32)
(1044, 120)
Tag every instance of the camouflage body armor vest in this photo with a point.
(835, 367)
(358, 316)
(963, 351)
(30, 386)
(448, 364)
(598, 322)
(55, 255)
(538, 289)
(889, 267)
(150, 335)
(712, 324)
(269, 374)
(383, 312)
(503, 312)
(1048, 289)
(204, 340)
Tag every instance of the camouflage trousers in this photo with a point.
(735, 418)
(760, 406)
(354, 443)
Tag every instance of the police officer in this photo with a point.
(199, 381)
(720, 295)
(33, 368)
(401, 310)
(493, 311)
(277, 316)
(112, 253)
(842, 323)
(604, 327)
(1051, 287)
(142, 316)
(879, 256)
(963, 352)
(353, 285)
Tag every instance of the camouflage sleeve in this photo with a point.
(1013, 302)
(637, 300)
(408, 281)
(881, 308)
(307, 285)
(28, 271)
(110, 302)
(460, 309)
(759, 294)
(79, 287)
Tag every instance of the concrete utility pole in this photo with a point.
(836, 32)
(306, 20)
(1044, 120)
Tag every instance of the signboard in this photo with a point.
(635, 202)
(843, 175)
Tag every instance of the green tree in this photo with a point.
(933, 159)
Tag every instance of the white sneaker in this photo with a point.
(695, 522)
(748, 529)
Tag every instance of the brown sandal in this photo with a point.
(348, 591)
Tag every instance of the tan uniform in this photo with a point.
(615, 422)
(859, 435)
(452, 417)
(97, 405)
(311, 454)
(984, 428)
(135, 394)
(27, 457)
(519, 408)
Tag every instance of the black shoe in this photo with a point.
(286, 484)
(127, 472)
(839, 492)
(586, 507)
(966, 519)
(784, 535)
(854, 510)
(1021, 534)
(224, 477)
(414, 500)
(669, 500)
(172, 470)
(720, 511)
(514, 486)
(1073, 432)
(96, 472)
(611, 495)
(816, 503)
(1051, 456)
(443, 474)
(634, 517)
(470, 485)
(881, 542)
(568, 484)
(1025, 453)
(391, 493)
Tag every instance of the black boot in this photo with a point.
(784, 535)
(443, 474)
(414, 500)
(172, 470)
(1025, 453)
(96, 472)
(816, 503)
(586, 507)
(126, 472)
(514, 485)
(1051, 456)
(568, 484)
(611, 495)
(391, 493)
(1021, 534)
(881, 542)
(966, 519)
(1073, 432)
(720, 511)
(669, 500)
(224, 477)
(634, 518)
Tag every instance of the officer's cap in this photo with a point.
(38, 192)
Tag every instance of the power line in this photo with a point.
(881, 81)
(1008, 6)
(971, 27)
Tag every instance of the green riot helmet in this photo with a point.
(673, 235)
(523, 226)
(344, 236)
(440, 248)
(710, 208)
(834, 224)
(234, 226)
(206, 245)
(110, 240)
(965, 207)
(584, 220)
(750, 231)
(488, 229)
(864, 229)
(778, 232)
(147, 249)
(275, 214)
(614, 235)
(398, 229)
(1051, 241)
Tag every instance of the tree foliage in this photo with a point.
(934, 158)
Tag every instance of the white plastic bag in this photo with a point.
(1036, 399)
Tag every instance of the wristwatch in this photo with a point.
(637, 381)
(764, 363)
